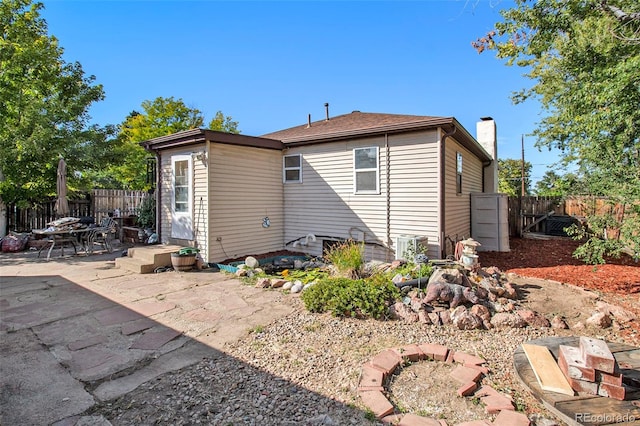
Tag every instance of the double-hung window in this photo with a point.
(292, 168)
(366, 170)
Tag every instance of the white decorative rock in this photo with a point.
(287, 285)
(297, 287)
(251, 262)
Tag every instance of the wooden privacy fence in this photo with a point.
(99, 204)
(37, 217)
(106, 201)
(527, 214)
(527, 211)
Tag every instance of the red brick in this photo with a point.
(495, 403)
(475, 423)
(468, 389)
(465, 375)
(371, 376)
(481, 368)
(376, 402)
(511, 418)
(449, 358)
(612, 379)
(413, 420)
(596, 354)
(392, 419)
(465, 358)
(387, 361)
(573, 366)
(410, 352)
(434, 351)
(486, 390)
(583, 386)
(370, 388)
(612, 391)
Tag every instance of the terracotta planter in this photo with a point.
(183, 262)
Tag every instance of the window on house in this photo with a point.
(292, 168)
(181, 185)
(365, 170)
(458, 173)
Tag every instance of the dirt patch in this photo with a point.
(552, 263)
(426, 389)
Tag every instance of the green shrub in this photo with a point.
(346, 297)
(423, 270)
(347, 258)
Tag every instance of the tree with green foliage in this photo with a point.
(553, 184)
(223, 123)
(160, 117)
(510, 177)
(583, 57)
(44, 103)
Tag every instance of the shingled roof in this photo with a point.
(362, 124)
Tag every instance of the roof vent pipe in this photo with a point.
(326, 108)
(308, 121)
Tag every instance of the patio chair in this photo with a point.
(102, 235)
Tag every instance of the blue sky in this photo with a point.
(269, 64)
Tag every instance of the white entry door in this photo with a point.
(182, 197)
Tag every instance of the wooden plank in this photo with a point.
(583, 409)
(546, 369)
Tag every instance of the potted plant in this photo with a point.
(184, 259)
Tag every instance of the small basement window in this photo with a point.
(366, 170)
(458, 173)
(292, 168)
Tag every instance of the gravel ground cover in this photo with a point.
(304, 369)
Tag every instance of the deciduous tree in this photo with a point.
(583, 58)
(510, 177)
(44, 104)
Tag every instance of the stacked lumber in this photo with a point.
(591, 368)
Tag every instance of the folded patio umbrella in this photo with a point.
(62, 206)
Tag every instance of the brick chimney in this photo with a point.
(487, 137)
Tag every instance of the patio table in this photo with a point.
(61, 237)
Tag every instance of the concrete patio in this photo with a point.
(76, 330)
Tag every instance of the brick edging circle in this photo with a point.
(468, 373)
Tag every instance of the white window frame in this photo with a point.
(285, 168)
(372, 169)
(188, 215)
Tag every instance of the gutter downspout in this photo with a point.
(158, 197)
(207, 232)
(388, 177)
(443, 248)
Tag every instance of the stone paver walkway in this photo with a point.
(77, 330)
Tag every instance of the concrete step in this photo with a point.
(156, 254)
(136, 265)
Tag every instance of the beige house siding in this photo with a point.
(245, 186)
(327, 206)
(458, 206)
(199, 181)
(414, 195)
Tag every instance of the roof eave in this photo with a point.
(197, 136)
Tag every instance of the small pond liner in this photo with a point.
(270, 264)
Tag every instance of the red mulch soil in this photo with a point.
(553, 260)
(617, 281)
